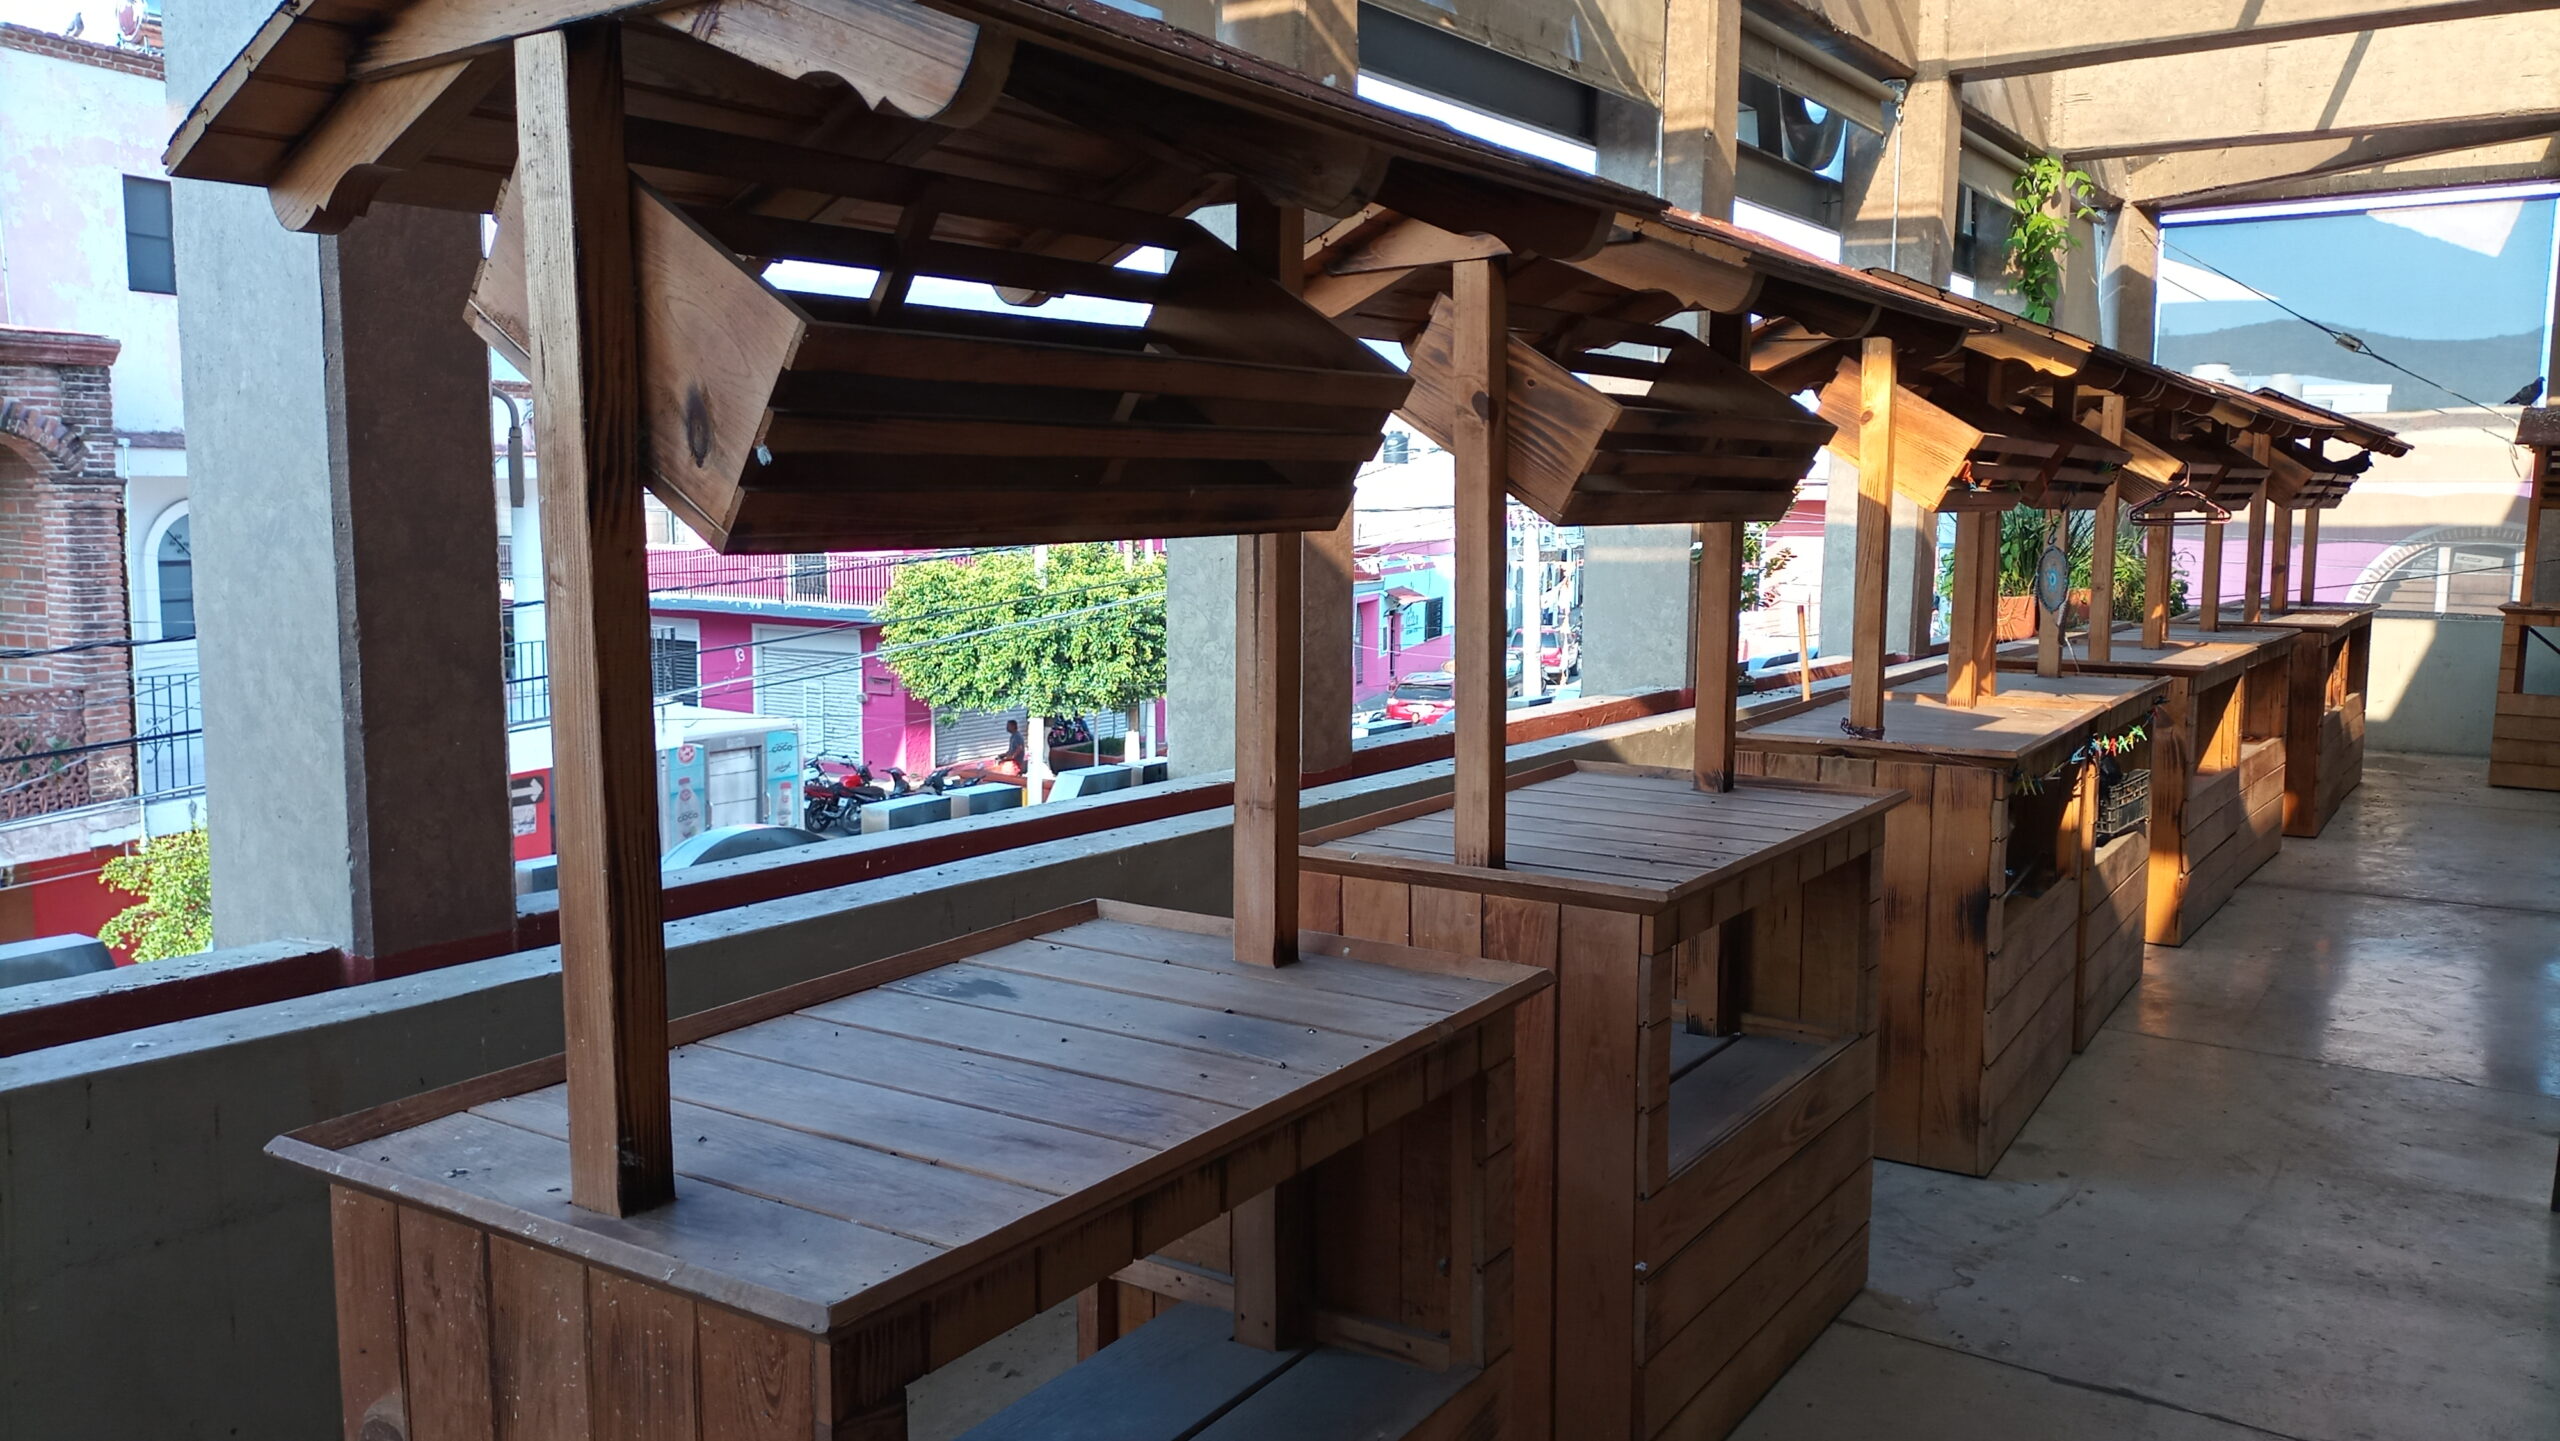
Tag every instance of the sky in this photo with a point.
(2432, 272)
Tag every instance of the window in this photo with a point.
(150, 259)
(1777, 121)
(675, 666)
(174, 568)
(1982, 234)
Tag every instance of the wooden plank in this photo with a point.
(757, 1382)
(1527, 933)
(1702, 1267)
(1444, 919)
(2014, 1087)
(1162, 1383)
(1690, 1360)
(1191, 1027)
(1961, 886)
(1207, 951)
(2253, 562)
(1775, 955)
(364, 1248)
(1716, 653)
(1478, 353)
(1377, 910)
(1267, 994)
(1104, 1106)
(1718, 1100)
(444, 1313)
(1268, 1254)
(1337, 1393)
(538, 1343)
(1077, 1050)
(2156, 545)
(1598, 1011)
(641, 1354)
(1874, 532)
(1722, 1404)
(1696, 1197)
(1267, 740)
(579, 271)
(853, 1169)
(1903, 958)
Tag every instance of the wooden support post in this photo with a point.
(1268, 1245)
(2310, 556)
(2049, 620)
(2155, 586)
(1973, 625)
(1477, 354)
(2209, 614)
(1718, 651)
(2279, 560)
(1875, 533)
(1266, 830)
(2102, 541)
(584, 324)
(2253, 562)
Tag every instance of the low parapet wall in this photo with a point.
(160, 1277)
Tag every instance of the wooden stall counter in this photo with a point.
(2524, 731)
(881, 1169)
(2218, 777)
(2324, 720)
(2002, 918)
(1695, 1094)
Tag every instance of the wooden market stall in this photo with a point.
(769, 1218)
(1693, 1099)
(2324, 736)
(2524, 730)
(2012, 919)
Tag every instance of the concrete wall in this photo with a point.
(160, 1277)
(76, 118)
(2434, 680)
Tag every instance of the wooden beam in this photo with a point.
(373, 132)
(2310, 556)
(1479, 354)
(2049, 619)
(2253, 562)
(2102, 541)
(1266, 827)
(2209, 614)
(577, 197)
(1874, 534)
(2279, 559)
(2155, 585)
(2102, 574)
(1718, 652)
(1973, 627)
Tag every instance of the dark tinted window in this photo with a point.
(150, 261)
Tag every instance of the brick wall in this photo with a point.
(145, 63)
(62, 573)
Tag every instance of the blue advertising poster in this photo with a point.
(782, 777)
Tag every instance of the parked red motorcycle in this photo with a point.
(833, 793)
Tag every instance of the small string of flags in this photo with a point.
(2118, 744)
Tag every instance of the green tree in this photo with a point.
(1061, 630)
(173, 875)
(1761, 565)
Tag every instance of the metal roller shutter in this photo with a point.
(819, 684)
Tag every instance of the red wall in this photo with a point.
(62, 896)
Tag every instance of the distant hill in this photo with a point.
(2488, 370)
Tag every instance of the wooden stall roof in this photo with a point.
(336, 103)
(1377, 273)
(2033, 724)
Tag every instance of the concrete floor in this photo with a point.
(2297, 1189)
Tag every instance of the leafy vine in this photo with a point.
(2051, 198)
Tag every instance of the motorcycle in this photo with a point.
(833, 793)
